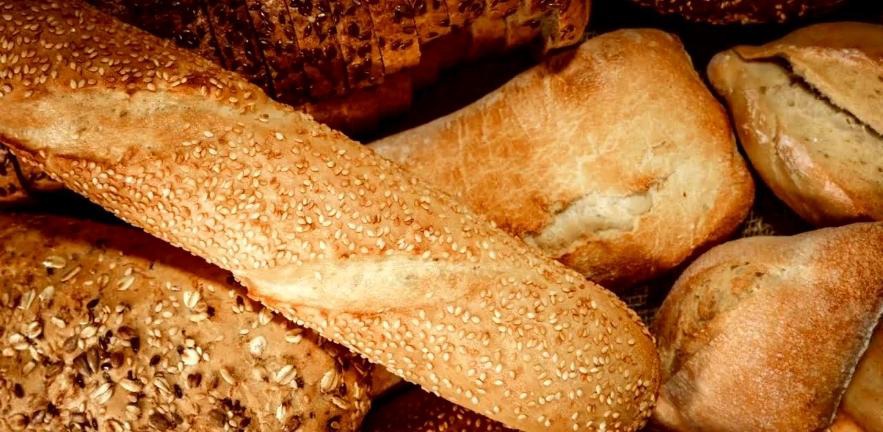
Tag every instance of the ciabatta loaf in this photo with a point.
(107, 328)
(590, 158)
(764, 333)
(808, 112)
(317, 226)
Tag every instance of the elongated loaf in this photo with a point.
(106, 327)
(317, 226)
(587, 157)
(808, 112)
(764, 333)
(862, 403)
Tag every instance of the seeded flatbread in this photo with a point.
(109, 326)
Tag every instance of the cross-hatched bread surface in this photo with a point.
(107, 327)
(329, 50)
(588, 158)
(317, 226)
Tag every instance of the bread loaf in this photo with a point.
(764, 333)
(318, 227)
(812, 129)
(587, 157)
(11, 188)
(863, 401)
(106, 328)
(741, 12)
(323, 51)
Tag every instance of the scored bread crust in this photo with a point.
(587, 157)
(764, 333)
(823, 162)
(108, 325)
(842, 60)
(319, 227)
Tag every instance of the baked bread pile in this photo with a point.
(467, 256)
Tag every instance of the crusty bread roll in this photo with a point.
(106, 328)
(808, 113)
(863, 401)
(417, 411)
(589, 158)
(764, 333)
(742, 11)
(319, 227)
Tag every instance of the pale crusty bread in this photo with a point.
(863, 400)
(818, 158)
(591, 159)
(108, 325)
(764, 333)
(319, 227)
(843, 61)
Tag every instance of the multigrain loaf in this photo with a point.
(764, 333)
(341, 61)
(589, 158)
(318, 227)
(107, 328)
(807, 110)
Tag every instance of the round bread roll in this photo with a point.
(740, 12)
(105, 328)
(764, 333)
(807, 110)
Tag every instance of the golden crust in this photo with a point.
(319, 227)
(649, 173)
(764, 333)
(820, 160)
(118, 328)
(843, 61)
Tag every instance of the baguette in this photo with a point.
(590, 159)
(764, 333)
(105, 330)
(812, 129)
(320, 228)
(863, 401)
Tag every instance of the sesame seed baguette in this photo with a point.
(109, 325)
(765, 333)
(319, 227)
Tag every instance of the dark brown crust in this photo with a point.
(359, 44)
(432, 19)
(415, 410)
(316, 36)
(11, 188)
(237, 42)
(741, 12)
(275, 34)
(184, 21)
(396, 32)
